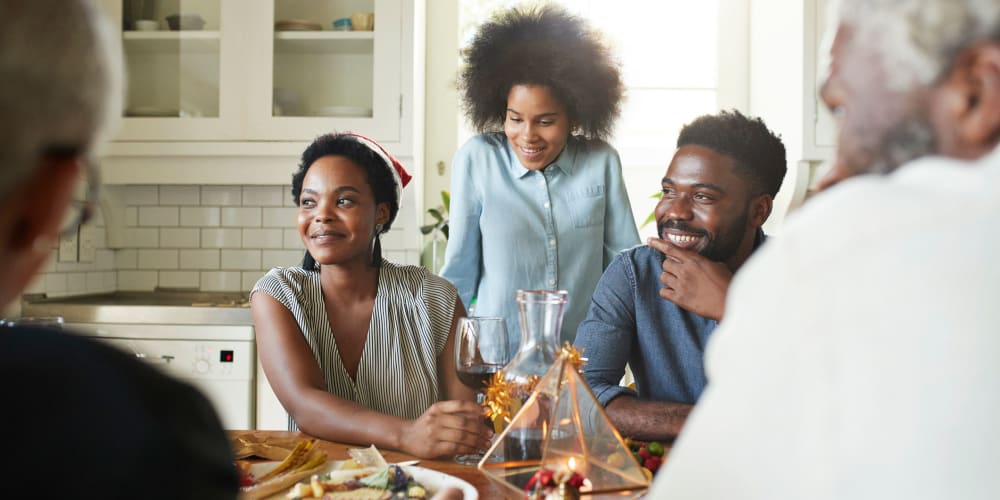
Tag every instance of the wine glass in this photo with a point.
(480, 351)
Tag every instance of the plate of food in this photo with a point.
(306, 473)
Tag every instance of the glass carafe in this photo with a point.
(541, 315)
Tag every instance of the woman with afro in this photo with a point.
(537, 199)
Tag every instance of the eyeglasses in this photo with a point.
(85, 198)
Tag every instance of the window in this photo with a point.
(680, 59)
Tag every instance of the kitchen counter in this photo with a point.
(159, 307)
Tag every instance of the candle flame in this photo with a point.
(571, 463)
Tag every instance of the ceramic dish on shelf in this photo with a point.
(357, 111)
(296, 25)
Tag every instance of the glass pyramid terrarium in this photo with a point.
(562, 427)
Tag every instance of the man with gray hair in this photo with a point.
(80, 417)
(858, 357)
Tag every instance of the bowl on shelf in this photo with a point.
(342, 24)
(146, 25)
(185, 22)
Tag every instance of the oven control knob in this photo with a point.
(201, 366)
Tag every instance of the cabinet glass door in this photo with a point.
(330, 65)
(175, 62)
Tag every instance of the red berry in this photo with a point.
(650, 463)
(644, 453)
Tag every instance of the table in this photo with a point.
(338, 451)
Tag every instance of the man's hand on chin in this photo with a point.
(692, 281)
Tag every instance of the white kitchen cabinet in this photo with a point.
(240, 87)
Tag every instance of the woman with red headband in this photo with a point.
(356, 348)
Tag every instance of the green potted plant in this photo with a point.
(433, 255)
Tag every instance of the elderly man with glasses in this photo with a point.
(858, 357)
(80, 417)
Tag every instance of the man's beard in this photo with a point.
(720, 248)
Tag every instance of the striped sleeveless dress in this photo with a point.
(410, 323)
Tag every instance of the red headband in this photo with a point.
(398, 172)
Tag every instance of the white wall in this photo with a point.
(441, 99)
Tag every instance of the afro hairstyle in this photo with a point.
(541, 45)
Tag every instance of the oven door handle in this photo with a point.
(161, 360)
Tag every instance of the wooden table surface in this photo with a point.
(338, 451)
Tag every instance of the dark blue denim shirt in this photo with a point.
(628, 322)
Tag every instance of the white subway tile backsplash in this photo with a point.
(199, 259)
(131, 216)
(158, 216)
(240, 259)
(241, 217)
(141, 195)
(55, 282)
(262, 238)
(180, 195)
(200, 216)
(280, 258)
(180, 279)
(137, 280)
(127, 258)
(279, 217)
(291, 239)
(95, 281)
(105, 260)
(157, 259)
(142, 237)
(111, 280)
(222, 238)
(76, 282)
(221, 281)
(250, 279)
(262, 196)
(171, 237)
(209, 237)
(221, 195)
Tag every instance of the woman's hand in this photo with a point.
(447, 428)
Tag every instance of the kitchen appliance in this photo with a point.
(205, 339)
(217, 359)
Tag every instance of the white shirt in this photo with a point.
(860, 353)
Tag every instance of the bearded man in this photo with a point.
(656, 305)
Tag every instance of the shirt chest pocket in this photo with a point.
(587, 206)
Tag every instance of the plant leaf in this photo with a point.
(444, 229)
(446, 200)
(436, 214)
(427, 229)
(651, 218)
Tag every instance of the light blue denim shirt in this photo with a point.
(512, 228)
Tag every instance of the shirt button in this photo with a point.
(546, 204)
(552, 242)
(552, 281)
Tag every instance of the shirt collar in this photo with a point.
(564, 162)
